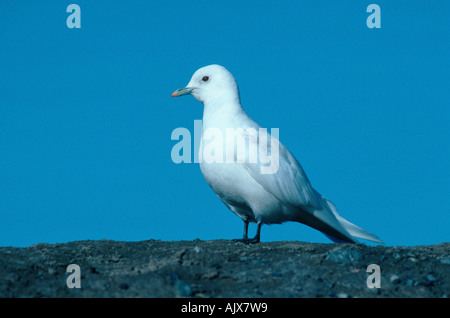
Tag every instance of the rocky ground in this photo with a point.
(223, 268)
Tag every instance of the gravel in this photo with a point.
(222, 268)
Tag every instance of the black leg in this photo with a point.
(245, 238)
(258, 233)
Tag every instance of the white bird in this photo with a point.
(286, 195)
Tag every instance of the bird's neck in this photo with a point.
(225, 112)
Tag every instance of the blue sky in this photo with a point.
(86, 115)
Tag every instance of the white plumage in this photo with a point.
(262, 198)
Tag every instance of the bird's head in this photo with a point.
(210, 83)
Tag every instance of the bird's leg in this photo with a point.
(245, 238)
(257, 235)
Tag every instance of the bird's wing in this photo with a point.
(289, 182)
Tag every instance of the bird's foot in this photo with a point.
(247, 240)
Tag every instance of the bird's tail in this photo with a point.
(351, 228)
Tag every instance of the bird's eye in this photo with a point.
(205, 78)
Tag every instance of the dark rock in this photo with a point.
(344, 255)
(394, 279)
(223, 268)
(430, 280)
(182, 289)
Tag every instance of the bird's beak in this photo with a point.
(182, 91)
